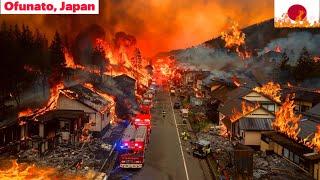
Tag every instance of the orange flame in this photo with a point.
(287, 121)
(51, 104)
(316, 139)
(285, 21)
(316, 59)
(246, 109)
(234, 38)
(20, 172)
(271, 90)
(278, 49)
(70, 62)
(23, 171)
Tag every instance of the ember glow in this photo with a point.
(287, 122)
(51, 104)
(246, 109)
(164, 69)
(23, 171)
(316, 59)
(278, 49)
(316, 139)
(271, 90)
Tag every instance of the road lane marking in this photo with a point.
(175, 122)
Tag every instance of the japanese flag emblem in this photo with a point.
(297, 13)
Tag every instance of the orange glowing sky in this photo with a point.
(160, 25)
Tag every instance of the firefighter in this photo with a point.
(164, 113)
(184, 135)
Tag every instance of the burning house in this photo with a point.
(244, 116)
(9, 135)
(304, 99)
(194, 78)
(94, 104)
(301, 149)
(55, 127)
(126, 84)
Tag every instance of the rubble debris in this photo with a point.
(264, 166)
(79, 158)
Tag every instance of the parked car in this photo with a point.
(177, 105)
(202, 148)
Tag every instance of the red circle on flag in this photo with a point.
(297, 12)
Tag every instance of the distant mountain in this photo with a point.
(257, 37)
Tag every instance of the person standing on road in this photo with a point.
(163, 113)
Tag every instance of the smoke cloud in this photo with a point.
(295, 42)
(158, 25)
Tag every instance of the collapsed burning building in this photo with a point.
(45, 132)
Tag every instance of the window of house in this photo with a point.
(269, 106)
(296, 159)
(286, 153)
(67, 126)
(291, 156)
(304, 108)
(258, 114)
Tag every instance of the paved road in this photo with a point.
(164, 158)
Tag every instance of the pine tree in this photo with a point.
(57, 59)
(99, 58)
(284, 62)
(305, 66)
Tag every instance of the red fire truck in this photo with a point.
(142, 120)
(127, 140)
(133, 157)
(145, 109)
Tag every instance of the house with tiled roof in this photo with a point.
(94, 105)
(244, 116)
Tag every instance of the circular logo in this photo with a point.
(297, 12)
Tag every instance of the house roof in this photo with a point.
(228, 96)
(7, 122)
(268, 97)
(124, 77)
(86, 97)
(301, 94)
(228, 107)
(288, 143)
(315, 111)
(308, 127)
(255, 124)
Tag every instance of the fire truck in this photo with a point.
(133, 157)
(127, 140)
(145, 109)
(142, 120)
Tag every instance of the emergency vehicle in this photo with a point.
(142, 120)
(134, 157)
(128, 137)
(145, 109)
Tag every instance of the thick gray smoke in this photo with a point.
(209, 59)
(294, 43)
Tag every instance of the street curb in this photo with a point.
(211, 167)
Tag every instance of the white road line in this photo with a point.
(175, 122)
